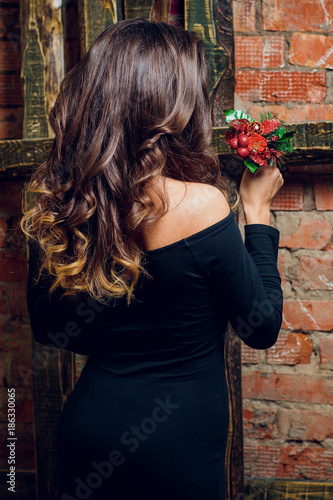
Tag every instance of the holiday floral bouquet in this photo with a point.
(260, 143)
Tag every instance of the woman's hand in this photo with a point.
(257, 191)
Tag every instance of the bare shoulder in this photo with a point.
(205, 204)
(193, 207)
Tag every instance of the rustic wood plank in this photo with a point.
(160, 11)
(23, 155)
(282, 489)
(313, 145)
(234, 455)
(94, 17)
(133, 8)
(212, 20)
(42, 72)
(43, 62)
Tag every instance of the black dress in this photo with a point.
(148, 417)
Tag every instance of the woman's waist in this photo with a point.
(170, 364)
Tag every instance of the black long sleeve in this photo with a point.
(244, 278)
(56, 321)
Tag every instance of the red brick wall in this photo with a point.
(284, 62)
(284, 58)
(288, 390)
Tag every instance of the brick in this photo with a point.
(310, 463)
(261, 461)
(281, 267)
(24, 451)
(303, 15)
(258, 423)
(316, 273)
(323, 190)
(308, 315)
(10, 23)
(305, 425)
(289, 462)
(244, 15)
(15, 237)
(11, 196)
(21, 369)
(314, 51)
(11, 121)
(279, 86)
(249, 355)
(310, 233)
(290, 349)
(23, 405)
(290, 196)
(294, 114)
(326, 353)
(4, 364)
(3, 229)
(17, 299)
(11, 90)
(302, 388)
(16, 335)
(3, 306)
(10, 56)
(259, 51)
(13, 267)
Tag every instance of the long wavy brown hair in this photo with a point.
(136, 107)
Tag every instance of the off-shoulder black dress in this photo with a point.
(148, 417)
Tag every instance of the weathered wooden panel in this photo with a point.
(42, 72)
(133, 8)
(95, 16)
(313, 144)
(234, 456)
(42, 45)
(212, 20)
(160, 11)
(282, 489)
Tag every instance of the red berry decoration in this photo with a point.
(243, 152)
(243, 141)
(234, 143)
(266, 142)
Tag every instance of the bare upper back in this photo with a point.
(193, 207)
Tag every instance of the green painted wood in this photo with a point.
(95, 16)
(35, 122)
(212, 20)
(133, 8)
(283, 489)
(42, 43)
(313, 145)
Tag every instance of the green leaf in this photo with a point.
(236, 114)
(251, 164)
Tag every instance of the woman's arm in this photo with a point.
(65, 323)
(244, 279)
